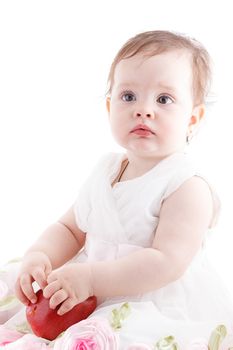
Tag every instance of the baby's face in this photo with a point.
(156, 91)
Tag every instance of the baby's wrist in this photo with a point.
(99, 279)
(91, 279)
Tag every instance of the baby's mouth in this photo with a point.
(142, 128)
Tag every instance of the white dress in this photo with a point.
(121, 219)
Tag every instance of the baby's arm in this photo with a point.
(60, 241)
(184, 219)
(57, 244)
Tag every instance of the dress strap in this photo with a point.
(124, 165)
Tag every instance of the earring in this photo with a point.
(188, 138)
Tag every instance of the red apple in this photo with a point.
(46, 323)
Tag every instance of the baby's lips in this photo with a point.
(142, 127)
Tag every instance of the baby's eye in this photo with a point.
(128, 97)
(164, 100)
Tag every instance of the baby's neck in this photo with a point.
(138, 166)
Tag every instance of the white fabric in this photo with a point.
(123, 218)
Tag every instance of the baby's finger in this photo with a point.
(66, 306)
(26, 286)
(57, 298)
(19, 293)
(40, 277)
(51, 288)
(52, 277)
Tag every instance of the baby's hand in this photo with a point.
(35, 267)
(69, 285)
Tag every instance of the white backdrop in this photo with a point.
(54, 61)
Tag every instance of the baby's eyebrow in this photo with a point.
(159, 85)
(125, 85)
(166, 87)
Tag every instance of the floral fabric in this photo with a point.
(105, 329)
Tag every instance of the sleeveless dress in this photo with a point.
(121, 219)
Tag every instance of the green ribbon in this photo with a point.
(119, 315)
(166, 343)
(216, 337)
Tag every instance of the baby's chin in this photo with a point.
(145, 149)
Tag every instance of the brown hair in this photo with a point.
(155, 42)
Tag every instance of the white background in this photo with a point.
(54, 61)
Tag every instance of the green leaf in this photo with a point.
(166, 343)
(23, 328)
(124, 311)
(8, 302)
(216, 337)
(119, 315)
(14, 260)
(115, 319)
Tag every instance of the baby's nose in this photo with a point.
(144, 114)
(147, 115)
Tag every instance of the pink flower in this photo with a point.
(3, 289)
(8, 336)
(139, 346)
(89, 334)
(27, 342)
(198, 344)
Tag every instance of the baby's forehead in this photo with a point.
(168, 56)
(164, 63)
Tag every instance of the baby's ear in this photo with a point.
(197, 115)
(199, 112)
(108, 103)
